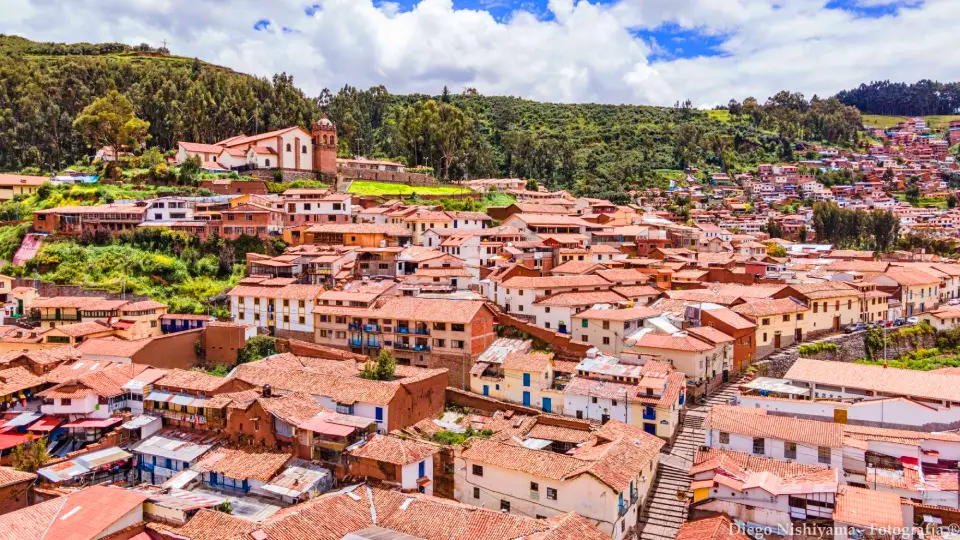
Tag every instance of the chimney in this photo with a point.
(267, 391)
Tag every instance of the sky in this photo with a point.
(605, 51)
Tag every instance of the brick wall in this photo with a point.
(48, 290)
(14, 497)
(563, 345)
(416, 401)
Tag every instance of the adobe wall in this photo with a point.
(48, 290)
(289, 175)
(14, 497)
(177, 350)
(411, 179)
(421, 399)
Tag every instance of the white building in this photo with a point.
(285, 306)
(604, 479)
(754, 432)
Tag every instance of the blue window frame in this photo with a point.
(379, 414)
(526, 379)
(486, 390)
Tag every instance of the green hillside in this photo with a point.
(934, 122)
(598, 150)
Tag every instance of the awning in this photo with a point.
(23, 419)
(93, 423)
(161, 397)
(9, 440)
(140, 421)
(319, 425)
(47, 423)
(181, 400)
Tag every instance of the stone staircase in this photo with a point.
(665, 509)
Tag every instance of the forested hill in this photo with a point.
(600, 150)
(923, 98)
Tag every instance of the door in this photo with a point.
(836, 323)
(422, 469)
(547, 405)
(650, 428)
(526, 399)
(776, 341)
(486, 390)
(726, 376)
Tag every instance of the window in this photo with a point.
(551, 494)
(797, 502)
(476, 493)
(606, 341)
(823, 454)
(786, 318)
(584, 323)
(288, 147)
(724, 438)
(606, 325)
(458, 344)
(457, 327)
(303, 149)
(593, 399)
(766, 322)
(534, 487)
(790, 450)
(266, 162)
(504, 505)
(66, 401)
(799, 316)
(758, 445)
(478, 470)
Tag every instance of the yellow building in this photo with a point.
(833, 305)
(780, 322)
(12, 185)
(525, 378)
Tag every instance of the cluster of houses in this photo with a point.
(547, 354)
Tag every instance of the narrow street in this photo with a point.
(664, 511)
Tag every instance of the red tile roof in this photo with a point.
(395, 450)
(673, 343)
(713, 528)
(82, 515)
(241, 464)
(868, 508)
(756, 423)
(764, 308)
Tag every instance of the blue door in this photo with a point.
(526, 379)
(486, 390)
(547, 405)
(650, 428)
(379, 414)
(422, 469)
(526, 399)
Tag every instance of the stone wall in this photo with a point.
(411, 179)
(289, 175)
(850, 348)
(48, 290)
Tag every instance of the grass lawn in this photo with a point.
(723, 115)
(384, 188)
(936, 122)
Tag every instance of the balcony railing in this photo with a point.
(649, 414)
(356, 342)
(423, 348)
(373, 344)
(403, 330)
(402, 346)
(422, 331)
(634, 496)
(621, 510)
(371, 328)
(354, 326)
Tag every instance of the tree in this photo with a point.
(774, 229)
(30, 456)
(257, 348)
(224, 507)
(110, 121)
(776, 250)
(873, 342)
(803, 233)
(381, 369)
(532, 185)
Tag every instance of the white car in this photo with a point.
(954, 302)
(913, 320)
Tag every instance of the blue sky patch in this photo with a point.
(873, 9)
(670, 42)
(311, 10)
(262, 24)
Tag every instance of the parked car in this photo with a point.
(887, 324)
(856, 327)
(954, 302)
(913, 320)
(899, 322)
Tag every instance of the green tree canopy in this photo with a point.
(110, 121)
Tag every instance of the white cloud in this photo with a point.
(584, 52)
